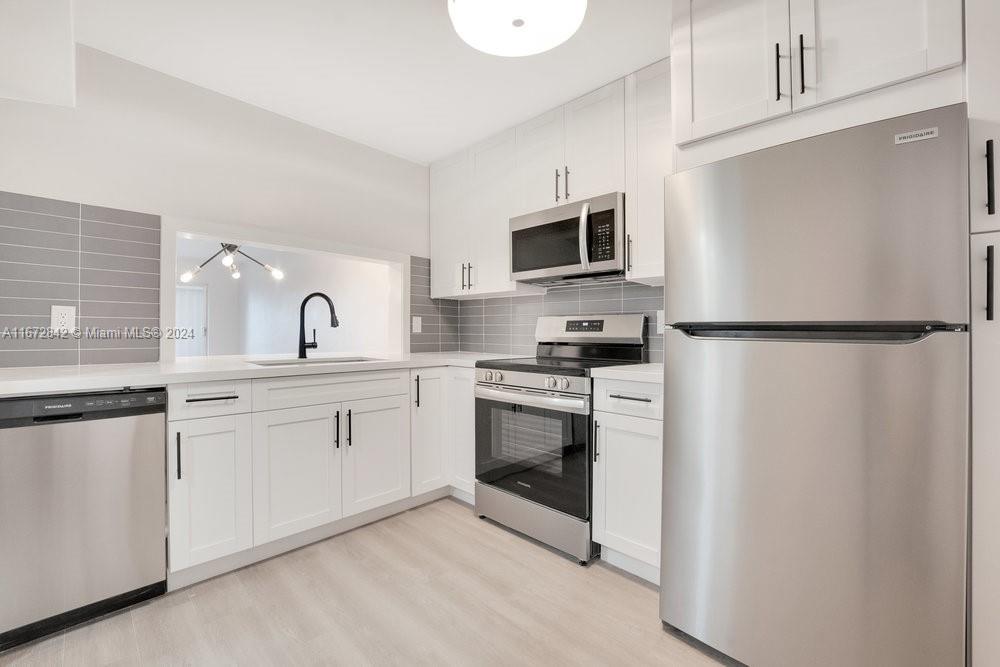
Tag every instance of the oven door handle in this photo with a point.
(577, 405)
(584, 254)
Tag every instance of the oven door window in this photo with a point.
(541, 455)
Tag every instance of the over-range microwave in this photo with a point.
(578, 242)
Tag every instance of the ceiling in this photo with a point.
(391, 74)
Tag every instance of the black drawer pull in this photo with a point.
(178, 454)
(777, 71)
(631, 398)
(991, 188)
(989, 282)
(336, 433)
(802, 65)
(214, 398)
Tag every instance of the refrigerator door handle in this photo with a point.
(818, 333)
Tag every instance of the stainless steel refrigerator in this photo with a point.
(817, 398)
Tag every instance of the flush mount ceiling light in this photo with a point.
(229, 252)
(516, 27)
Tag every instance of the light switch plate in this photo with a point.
(417, 324)
(659, 322)
(63, 318)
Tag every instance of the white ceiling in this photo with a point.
(391, 74)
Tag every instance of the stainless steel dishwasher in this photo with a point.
(82, 508)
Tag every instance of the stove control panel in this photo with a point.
(537, 381)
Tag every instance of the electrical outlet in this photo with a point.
(63, 318)
(659, 322)
(417, 324)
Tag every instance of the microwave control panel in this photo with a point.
(602, 244)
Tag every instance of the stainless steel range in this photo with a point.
(534, 444)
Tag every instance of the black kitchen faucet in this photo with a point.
(303, 345)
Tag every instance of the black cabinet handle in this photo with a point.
(991, 188)
(596, 453)
(348, 428)
(178, 454)
(777, 70)
(336, 433)
(470, 275)
(628, 252)
(418, 391)
(557, 186)
(463, 275)
(213, 398)
(631, 398)
(566, 183)
(989, 282)
(802, 65)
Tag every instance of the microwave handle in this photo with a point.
(584, 252)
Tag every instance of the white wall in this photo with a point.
(144, 141)
(257, 315)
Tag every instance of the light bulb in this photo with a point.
(277, 274)
(188, 276)
(234, 271)
(227, 259)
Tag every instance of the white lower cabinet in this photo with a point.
(627, 485)
(209, 489)
(462, 427)
(296, 470)
(430, 453)
(377, 457)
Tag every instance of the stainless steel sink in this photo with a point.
(316, 360)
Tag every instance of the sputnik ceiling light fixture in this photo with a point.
(515, 28)
(229, 252)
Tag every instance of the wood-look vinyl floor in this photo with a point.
(434, 585)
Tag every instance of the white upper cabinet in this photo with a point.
(845, 47)
(493, 192)
(209, 492)
(296, 470)
(430, 453)
(377, 456)
(595, 143)
(450, 182)
(540, 158)
(648, 160)
(730, 64)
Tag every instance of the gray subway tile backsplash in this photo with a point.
(103, 261)
(507, 324)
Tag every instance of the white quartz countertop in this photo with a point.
(60, 379)
(632, 372)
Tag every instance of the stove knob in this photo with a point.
(497, 376)
(563, 383)
(489, 376)
(550, 382)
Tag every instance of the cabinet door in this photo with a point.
(985, 458)
(595, 143)
(627, 485)
(430, 454)
(450, 180)
(982, 176)
(377, 457)
(648, 160)
(491, 208)
(540, 157)
(296, 470)
(844, 47)
(462, 427)
(730, 65)
(209, 491)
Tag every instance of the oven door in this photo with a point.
(582, 238)
(535, 445)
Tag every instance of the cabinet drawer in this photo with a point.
(208, 399)
(293, 392)
(639, 399)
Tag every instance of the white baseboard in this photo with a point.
(192, 575)
(631, 565)
(463, 495)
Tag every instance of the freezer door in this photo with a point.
(848, 226)
(814, 499)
